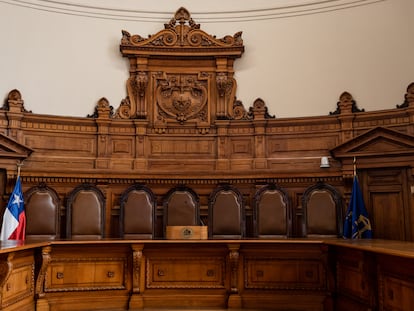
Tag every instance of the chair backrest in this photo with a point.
(271, 212)
(137, 213)
(42, 211)
(85, 213)
(226, 215)
(322, 206)
(181, 207)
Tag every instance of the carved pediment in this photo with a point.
(11, 149)
(379, 147)
(379, 141)
(182, 33)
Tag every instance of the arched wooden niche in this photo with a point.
(181, 76)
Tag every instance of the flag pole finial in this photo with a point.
(355, 169)
(19, 164)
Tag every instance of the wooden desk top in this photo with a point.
(387, 247)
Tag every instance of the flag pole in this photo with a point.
(19, 165)
(355, 169)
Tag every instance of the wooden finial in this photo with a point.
(355, 169)
(19, 165)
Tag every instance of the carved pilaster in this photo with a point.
(226, 87)
(223, 162)
(234, 300)
(103, 139)
(140, 141)
(136, 302)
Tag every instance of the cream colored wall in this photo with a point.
(300, 54)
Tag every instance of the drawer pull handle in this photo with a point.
(160, 272)
(259, 273)
(110, 274)
(8, 286)
(59, 275)
(210, 272)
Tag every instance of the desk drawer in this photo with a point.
(396, 294)
(19, 284)
(86, 275)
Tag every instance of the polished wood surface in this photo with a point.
(248, 274)
(181, 124)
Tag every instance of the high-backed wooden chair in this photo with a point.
(271, 212)
(322, 207)
(137, 213)
(226, 215)
(42, 211)
(181, 207)
(85, 213)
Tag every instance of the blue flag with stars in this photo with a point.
(357, 224)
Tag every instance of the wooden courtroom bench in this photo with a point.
(264, 274)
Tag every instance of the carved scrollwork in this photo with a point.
(181, 31)
(6, 268)
(14, 102)
(259, 110)
(346, 104)
(133, 106)
(102, 109)
(124, 109)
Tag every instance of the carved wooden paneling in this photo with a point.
(388, 204)
(395, 283)
(181, 123)
(90, 274)
(287, 273)
(188, 272)
(17, 273)
(355, 271)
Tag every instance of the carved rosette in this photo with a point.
(181, 98)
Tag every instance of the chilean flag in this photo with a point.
(14, 219)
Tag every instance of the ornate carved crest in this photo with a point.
(181, 76)
(182, 97)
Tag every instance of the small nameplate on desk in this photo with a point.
(186, 232)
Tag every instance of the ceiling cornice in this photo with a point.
(204, 12)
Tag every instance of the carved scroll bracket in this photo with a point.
(136, 301)
(46, 259)
(234, 297)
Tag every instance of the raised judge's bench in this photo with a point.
(293, 274)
